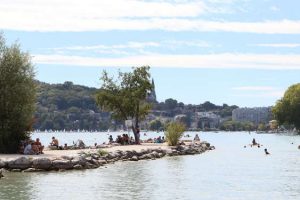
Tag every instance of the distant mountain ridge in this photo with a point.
(71, 107)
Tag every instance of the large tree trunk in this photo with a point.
(136, 133)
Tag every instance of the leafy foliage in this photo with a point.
(126, 96)
(68, 107)
(287, 109)
(237, 126)
(17, 96)
(155, 125)
(174, 132)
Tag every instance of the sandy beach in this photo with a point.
(58, 153)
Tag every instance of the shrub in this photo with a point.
(174, 132)
(102, 152)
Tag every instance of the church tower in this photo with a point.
(152, 95)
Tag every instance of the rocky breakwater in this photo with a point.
(88, 160)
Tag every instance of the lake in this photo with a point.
(229, 172)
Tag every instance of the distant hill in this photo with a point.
(71, 107)
(68, 106)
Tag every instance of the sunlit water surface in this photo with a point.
(229, 172)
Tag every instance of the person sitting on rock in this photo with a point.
(196, 138)
(28, 149)
(39, 146)
(54, 142)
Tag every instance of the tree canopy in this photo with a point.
(126, 96)
(287, 109)
(17, 96)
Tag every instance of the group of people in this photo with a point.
(254, 143)
(121, 139)
(31, 147)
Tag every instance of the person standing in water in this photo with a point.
(266, 152)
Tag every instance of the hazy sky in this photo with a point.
(243, 52)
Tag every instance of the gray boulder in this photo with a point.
(2, 164)
(62, 164)
(20, 163)
(134, 158)
(42, 163)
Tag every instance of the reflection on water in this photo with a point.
(229, 172)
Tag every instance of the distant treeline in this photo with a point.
(71, 107)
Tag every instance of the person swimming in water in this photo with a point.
(266, 152)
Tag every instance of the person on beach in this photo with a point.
(110, 139)
(39, 145)
(28, 149)
(266, 152)
(196, 138)
(54, 142)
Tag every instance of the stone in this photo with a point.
(67, 157)
(134, 158)
(42, 163)
(20, 163)
(62, 164)
(78, 167)
(95, 156)
(1, 174)
(2, 164)
(102, 162)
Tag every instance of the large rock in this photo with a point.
(79, 160)
(62, 164)
(20, 163)
(134, 158)
(2, 164)
(42, 163)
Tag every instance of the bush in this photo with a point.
(102, 152)
(174, 132)
(17, 96)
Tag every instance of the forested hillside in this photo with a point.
(71, 107)
(68, 106)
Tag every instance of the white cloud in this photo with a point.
(98, 15)
(221, 61)
(128, 45)
(131, 46)
(280, 45)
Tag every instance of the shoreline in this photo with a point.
(61, 160)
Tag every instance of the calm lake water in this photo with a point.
(229, 172)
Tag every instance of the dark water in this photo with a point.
(229, 172)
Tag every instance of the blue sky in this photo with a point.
(243, 52)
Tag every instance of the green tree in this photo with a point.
(174, 133)
(287, 109)
(126, 96)
(17, 96)
(155, 125)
